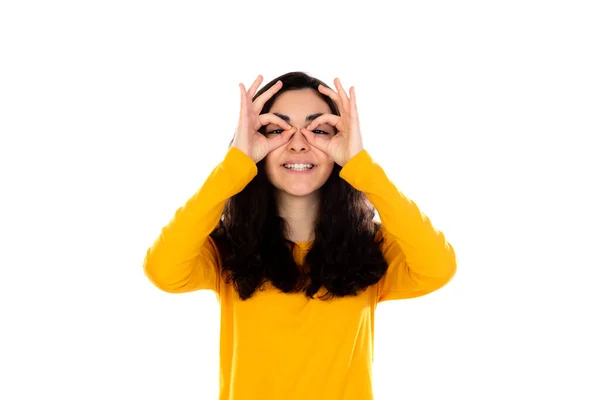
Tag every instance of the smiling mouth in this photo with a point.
(299, 167)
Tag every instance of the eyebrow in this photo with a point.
(308, 118)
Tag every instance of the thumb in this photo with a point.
(280, 140)
(314, 140)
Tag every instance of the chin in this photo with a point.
(298, 192)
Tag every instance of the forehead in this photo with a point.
(301, 102)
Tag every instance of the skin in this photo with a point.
(297, 194)
(298, 197)
(298, 104)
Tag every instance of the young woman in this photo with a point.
(283, 231)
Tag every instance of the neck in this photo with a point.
(300, 213)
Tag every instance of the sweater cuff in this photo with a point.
(358, 169)
(237, 160)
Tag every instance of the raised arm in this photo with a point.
(420, 260)
(419, 257)
(184, 258)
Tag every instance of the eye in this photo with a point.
(316, 131)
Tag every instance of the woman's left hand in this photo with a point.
(348, 140)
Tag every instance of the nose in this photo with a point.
(298, 142)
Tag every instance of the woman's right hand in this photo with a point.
(247, 138)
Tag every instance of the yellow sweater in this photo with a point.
(277, 346)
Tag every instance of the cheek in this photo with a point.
(270, 166)
(326, 161)
(270, 160)
(328, 168)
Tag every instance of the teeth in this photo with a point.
(298, 167)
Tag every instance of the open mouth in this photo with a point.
(299, 167)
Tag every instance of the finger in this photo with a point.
(277, 141)
(314, 140)
(333, 95)
(265, 119)
(353, 107)
(255, 86)
(330, 119)
(263, 98)
(243, 100)
(341, 92)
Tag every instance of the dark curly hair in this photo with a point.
(345, 256)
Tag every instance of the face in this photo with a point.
(300, 106)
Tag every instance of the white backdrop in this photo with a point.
(484, 113)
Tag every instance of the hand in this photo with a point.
(247, 138)
(348, 141)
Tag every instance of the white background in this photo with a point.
(485, 114)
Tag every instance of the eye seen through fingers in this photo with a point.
(316, 131)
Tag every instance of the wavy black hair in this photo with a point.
(345, 256)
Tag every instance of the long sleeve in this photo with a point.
(419, 257)
(184, 258)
